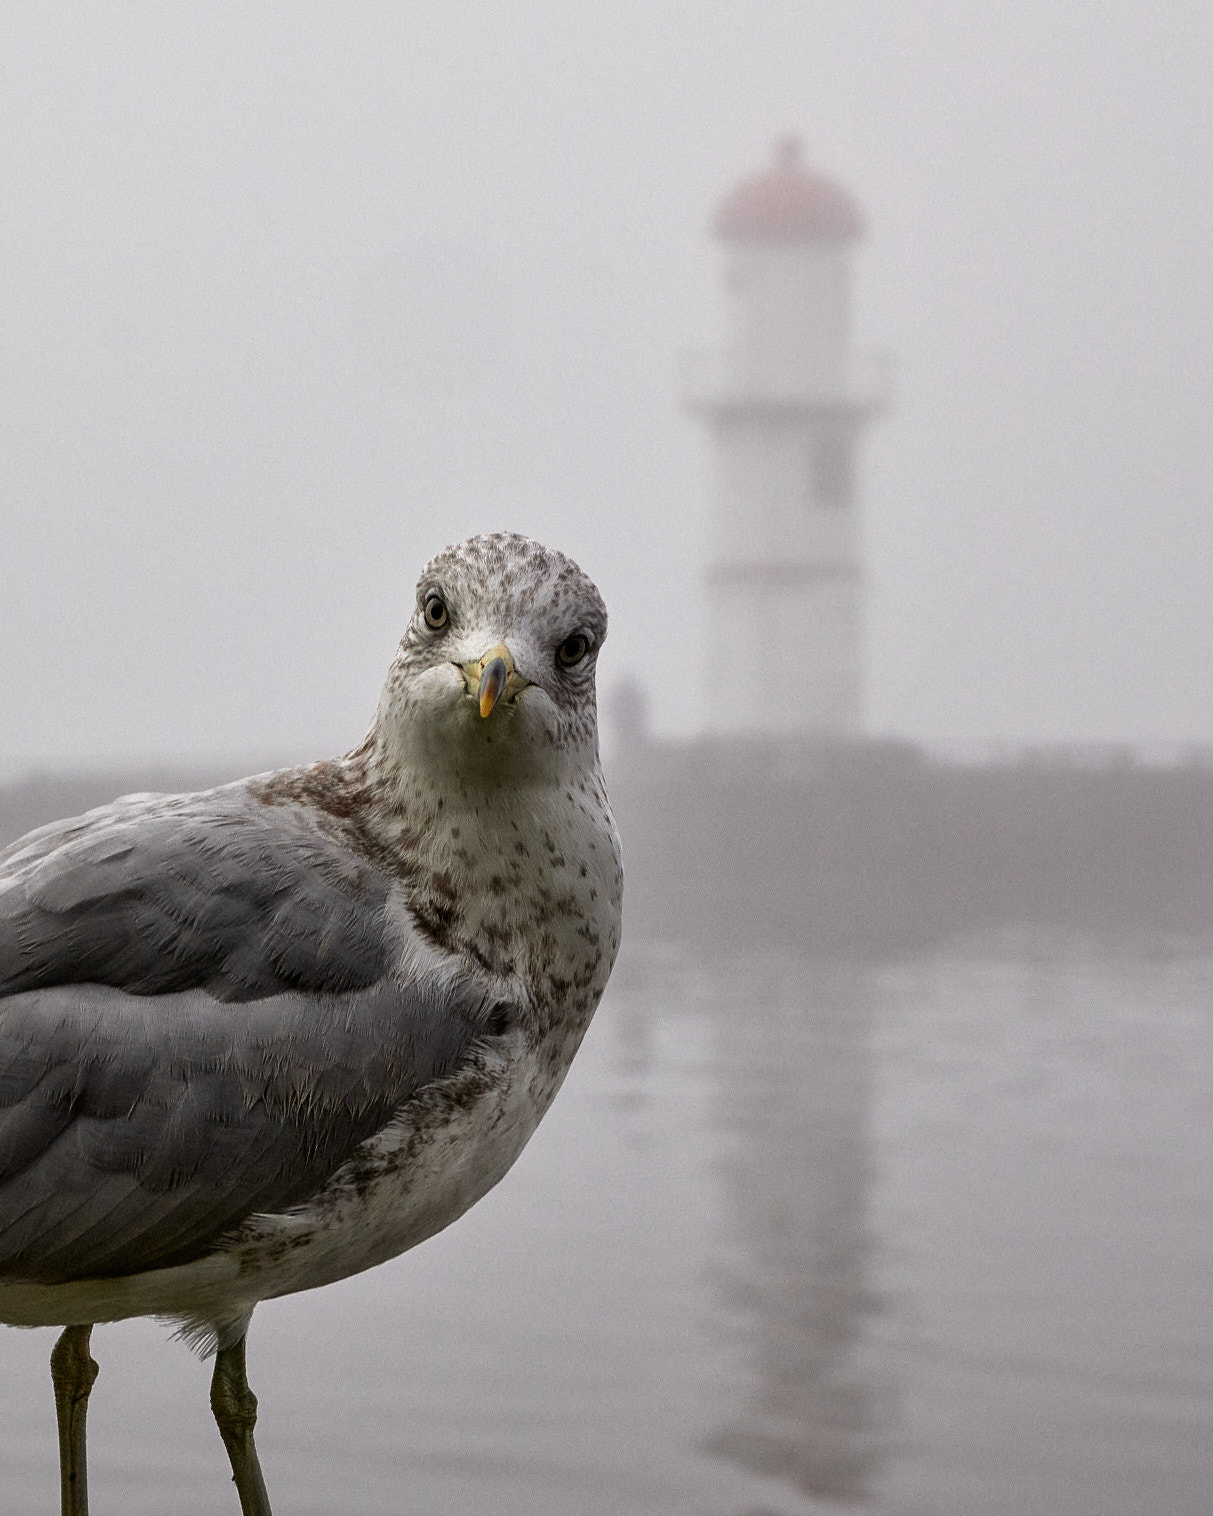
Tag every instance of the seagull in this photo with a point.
(262, 1037)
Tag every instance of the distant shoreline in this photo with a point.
(865, 848)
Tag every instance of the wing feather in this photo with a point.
(201, 1018)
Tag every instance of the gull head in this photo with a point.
(495, 675)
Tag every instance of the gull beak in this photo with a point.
(491, 675)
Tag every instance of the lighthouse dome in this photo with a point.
(788, 202)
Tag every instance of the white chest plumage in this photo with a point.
(458, 1138)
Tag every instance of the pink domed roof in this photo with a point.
(788, 203)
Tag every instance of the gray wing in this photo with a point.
(215, 891)
(199, 1022)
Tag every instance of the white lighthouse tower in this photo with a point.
(786, 402)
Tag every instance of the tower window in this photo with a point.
(831, 469)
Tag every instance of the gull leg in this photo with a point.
(235, 1408)
(73, 1374)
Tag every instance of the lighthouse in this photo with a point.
(786, 401)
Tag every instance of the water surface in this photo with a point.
(931, 1239)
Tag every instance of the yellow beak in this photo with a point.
(490, 674)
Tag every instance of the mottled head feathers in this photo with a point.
(499, 591)
(509, 580)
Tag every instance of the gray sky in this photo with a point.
(293, 294)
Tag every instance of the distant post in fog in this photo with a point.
(786, 400)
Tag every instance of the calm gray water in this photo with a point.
(932, 1238)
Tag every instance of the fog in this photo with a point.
(294, 295)
(882, 1176)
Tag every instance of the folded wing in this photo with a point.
(201, 1019)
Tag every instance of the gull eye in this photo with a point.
(436, 614)
(572, 650)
